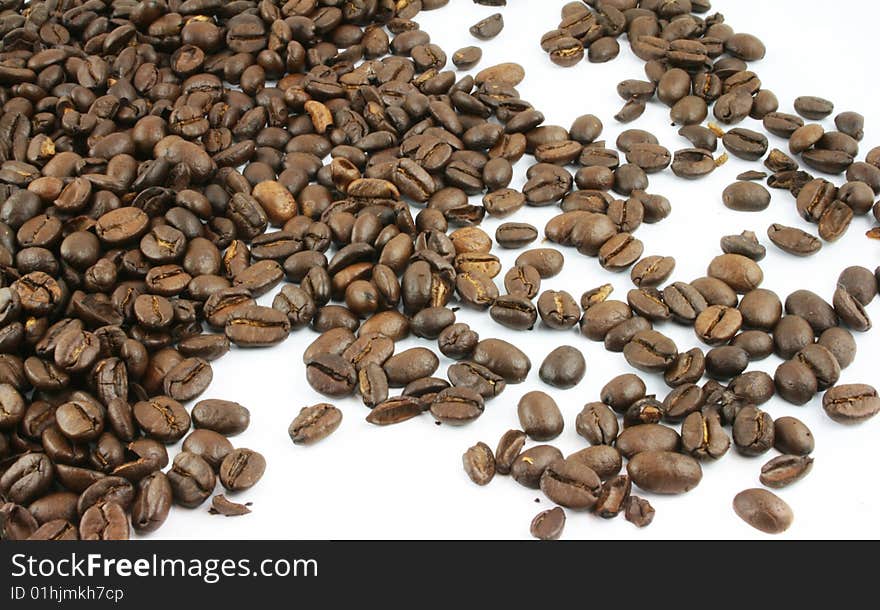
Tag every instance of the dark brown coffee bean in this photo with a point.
(509, 447)
(784, 470)
(242, 469)
(851, 404)
(162, 418)
(793, 240)
(106, 521)
(753, 432)
(569, 484)
(763, 510)
(529, 466)
(192, 479)
(664, 472)
(314, 424)
(479, 464)
(548, 524)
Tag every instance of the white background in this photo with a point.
(406, 481)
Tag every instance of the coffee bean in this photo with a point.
(570, 484)
(840, 343)
(647, 437)
(152, 503)
(811, 307)
(221, 416)
(539, 416)
(529, 466)
(563, 368)
(652, 271)
(395, 410)
(753, 431)
(488, 28)
(509, 447)
(314, 423)
(639, 511)
(162, 418)
(663, 472)
(515, 235)
(331, 375)
(457, 406)
(479, 464)
(746, 197)
(650, 351)
(740, 273)
(784, 470)
(851, 404)
(793, 240)
(763, 510)
(502, 358)
(548, 524)
(814, 108)
(192, 479)
(104, 522)
(241, 469)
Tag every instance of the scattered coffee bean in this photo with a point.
(763, 510)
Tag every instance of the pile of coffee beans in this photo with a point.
(165, 163)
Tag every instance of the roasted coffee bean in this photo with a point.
(467, 57)
(331, 375)
(479, 464)
(647, 410)
(851, 312)
(718, 324)
(664, 472)
(225, 417)
(162, 418)
(746, 197)
(515, 235)
(851, 404)
(547, 261)
(548, 524)
(502, 358)
(647, 437)
(488, 28)
(597, 424)
(652, 271)
(529, 466)
(241, 469)
(410, 365)
(569, 484)
(457, 406)
(106, 521)
(514, 311)
(314, 424)
(614, 497)
(257, 326)
(650, 351)
(763, 510)
(684, 301)
(753, 431)
(623, 391)
(639, 511)
(192, 479)
(558, 310)
(703, 437)
(822, 363)
(539, 416)
(811, 307)
(814, 108)
(793, 240)
(683, 400)
(784, 470)
(563, 368)
(840, 343)
(860, 283)
(509, 447)
(740, 273)
(27, 478)
(648, 303)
